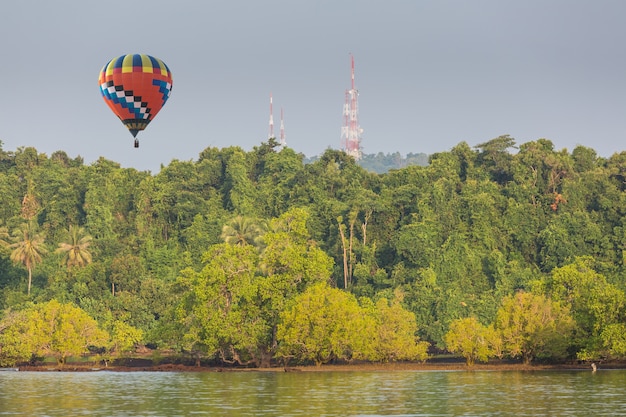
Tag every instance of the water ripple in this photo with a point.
(239, 394)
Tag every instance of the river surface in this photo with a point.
(335, 393)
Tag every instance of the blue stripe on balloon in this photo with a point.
(118, 62)
(155, 62)
(125, 104)
(137, 61)
(162, 89)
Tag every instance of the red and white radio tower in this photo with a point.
(351, 131)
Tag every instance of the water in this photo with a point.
(393, 393)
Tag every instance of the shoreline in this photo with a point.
(360, 367)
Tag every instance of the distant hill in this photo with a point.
(381, 163)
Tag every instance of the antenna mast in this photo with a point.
(351, 131)
(283, 143)
(271, 134)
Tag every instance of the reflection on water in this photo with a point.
(395, 393)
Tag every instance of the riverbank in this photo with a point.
(141, 365)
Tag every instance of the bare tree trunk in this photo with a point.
(30, 278)
(368, 215)
(345, 253)
(265, 360)
(351, 255)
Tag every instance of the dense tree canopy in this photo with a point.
(212, 257)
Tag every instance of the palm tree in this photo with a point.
(4, 234)
(76, 249)
(242, 231)
(27, 249)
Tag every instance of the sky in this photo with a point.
(430, 74)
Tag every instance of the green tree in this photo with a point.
(100, 199)
(483, 207)
(204, 231)
(76, 248)
(595, 304)
(614, 340)
(242, 230)
(216, 311)
(533, 326)
(585, 159)
(239, 191)
(368, 275)
(10, 189)
(124, 337)
(60, 188)
(424, 298)
(28, 248)
(275, 174)
(570, 235)
(243, 331)
(126, 273)
(495, 157)
(4, 236)
(291, 261)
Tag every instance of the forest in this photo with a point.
(257, 258)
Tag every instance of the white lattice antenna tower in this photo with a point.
(271, 133)
(283, 142)
(351, 130)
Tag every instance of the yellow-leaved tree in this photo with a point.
(471, 339)
(326, 323)
(395, 337)
(49, 329)
(19, 337)
(533, 326)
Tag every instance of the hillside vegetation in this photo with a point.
(257, 258)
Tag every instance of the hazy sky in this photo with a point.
(430, 74)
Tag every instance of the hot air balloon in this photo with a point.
(135, 87)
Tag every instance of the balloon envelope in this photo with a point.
(135, 87)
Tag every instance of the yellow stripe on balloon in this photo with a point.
(127, 64)
(109, 68)
(146, 64)
(163, 67)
